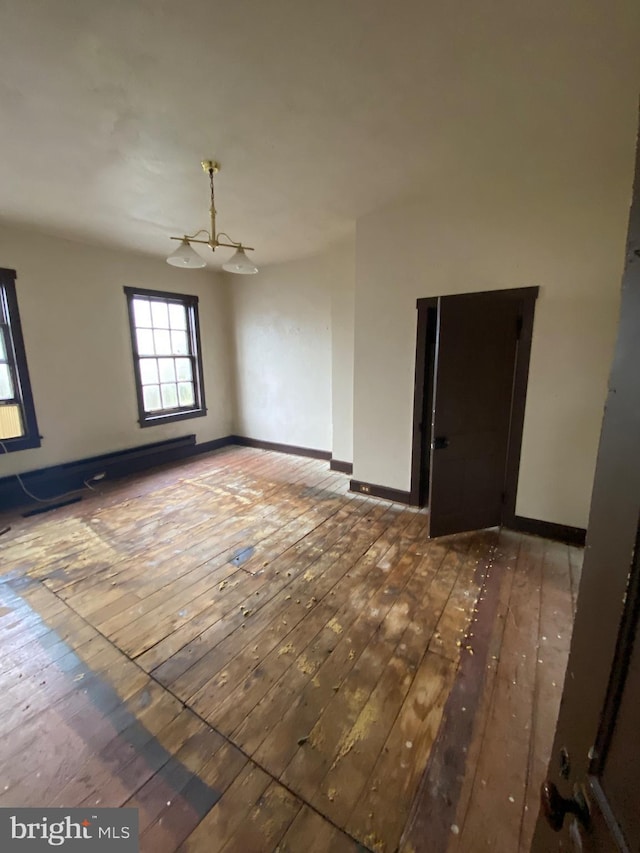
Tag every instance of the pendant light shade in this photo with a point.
(186, 257)
(241, 264)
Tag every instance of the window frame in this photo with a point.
(17, 361)
(190, 303)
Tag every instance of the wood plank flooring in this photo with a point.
(258, 659)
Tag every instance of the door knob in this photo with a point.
(555, 806)
(440, 442)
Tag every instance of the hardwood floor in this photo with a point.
(259, 660)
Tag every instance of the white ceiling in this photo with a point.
(319, 111)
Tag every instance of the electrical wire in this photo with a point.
(35, 497)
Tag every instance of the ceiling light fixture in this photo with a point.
(185, 256)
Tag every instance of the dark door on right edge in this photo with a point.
(474, 373)
(598, 724)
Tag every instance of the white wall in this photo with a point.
(283, 350)
(532, 188)
(482, 235)
(74, 319)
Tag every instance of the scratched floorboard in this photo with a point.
(259, 660)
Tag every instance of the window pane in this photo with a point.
(167, 370)
(6, 385)
(183, 370)
(3, 349)
(177, 316)
(145, 341)
(163, 342)
(169, 396)
(180, 343)
(11, 421)
(151, 398)
(149, 371)
(185, 393)
(142, 312)
(160, 315)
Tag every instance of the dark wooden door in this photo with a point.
(475, 365)
(599, 724)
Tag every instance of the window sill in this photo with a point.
(27, 442)
(170, 418)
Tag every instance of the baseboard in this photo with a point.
(215, 444)
(395, 495)
(56, 480)
(59, 479)
(343, 467)
(280, 448)
(549, 530)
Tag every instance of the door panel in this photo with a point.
(611, 781)
(620, 772)
(475, 361)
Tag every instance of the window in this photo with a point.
(166, 354)
(18, 425)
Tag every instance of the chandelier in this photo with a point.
(185, 256)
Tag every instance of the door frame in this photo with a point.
(423, 388)
(424, 384)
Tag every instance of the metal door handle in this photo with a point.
(440, 442)
(555, 806)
